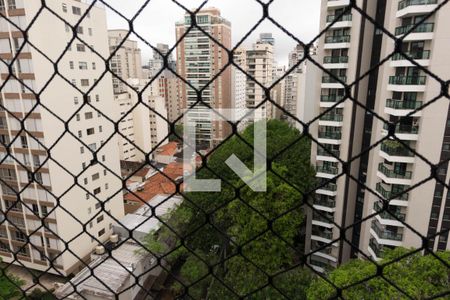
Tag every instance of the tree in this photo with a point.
(420, 277)
(241, 235)
(10, 285)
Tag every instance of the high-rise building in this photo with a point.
(199, 59)
(157, 62)
(260, 65)
(52, 210)
(126, 63)
(398, 87)
(239, 84)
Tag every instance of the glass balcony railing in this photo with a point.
(331, 18)
(404, 129)
(330, 135)
(331, 153)
(424, 27)
(407, 80)
(329, 187)
(332, 117)
(412, 55)
(335, 59)
(325, 202)
(385, 234)
(322, 233)
(403, 104)
(325, 219)
(392, 174)
(327, 170)
(337, 39)
(395, 149)
(397, 194)
(377, 249)
(385, 215)
(406, 3)
(331, 98)
(329, 79)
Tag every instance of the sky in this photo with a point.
(156, 22)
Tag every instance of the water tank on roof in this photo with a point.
(114, 238)
(99, 250)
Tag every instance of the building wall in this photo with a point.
(69, 156)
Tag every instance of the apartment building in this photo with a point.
(143, 126)
(199, 59)
(260, 65)
(157, 62)
(54, 214)
(350, 47)
(126, 63)
(239, 85)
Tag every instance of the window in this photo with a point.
(103, 158)
(20, 236)
(83, 165)
(89, 210)
(78, 117)
(81, 48)
(97, 205)
(90, 31)
(95, 176)
(106, 186)
(84, 82)
(24, 142)
(4, 247)
(82, 65)
(81, 149)
(101, 232)
(36, 161)
(90, 131)
(91, 224)
(100, 128)
(87, 196)
(97, 191)
(76, 10)
(80, 29)
(44, 210)
(75, 100)
(11, 4)
(104, 172)
(88, 115)
(85, 181)
(71, 65)
(94, 66)
(64, 7)
(100, 219)
(80, 134)
(97, 98)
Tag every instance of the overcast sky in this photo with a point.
(156, 23)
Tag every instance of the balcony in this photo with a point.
(404, 132)
(397, 195)
(407, 83)
(422, 32)
(330, 100)
(402, 108)
(335, 62)
(328, 235)
(330, 137)
(340, 21)
(338, 3)
(415, 7)
(331, 119)
(385, 215)
(323, 221)
(337, 42)
(335, 82)
(326, 172)
(384, 236)
(327, 190)
(331, 155)
(376, 250)
(422, 58)
(392, 177)
(393, 151)
(324, 203)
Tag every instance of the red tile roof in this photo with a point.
(168, 149)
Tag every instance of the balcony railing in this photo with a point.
(327, 170)
(329, 79)
(331, 18)
(405, 3)
(404, 129)
(412, 55)
(407, 80)
(332, 117)
(337, 39)
(331, 98)
(385, 215)
(322, 233)
(377, 249)
(329, 187)
(330, 135)
(403, 104)
(391, 194)
(330, 152)
(325, 202)
(385, 234)
(335, 59)
(424, 27)
(392, 174)
(324, 219)
(397, 150)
